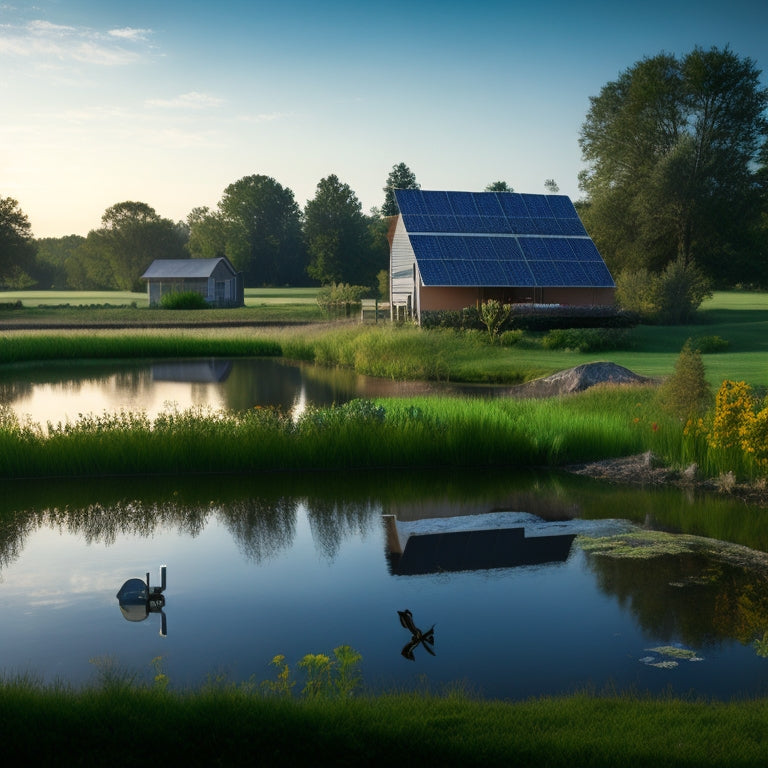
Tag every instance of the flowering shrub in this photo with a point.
(739, 424)
(734, 413)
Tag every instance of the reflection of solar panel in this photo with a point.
(500, 239)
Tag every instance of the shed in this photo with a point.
(451, 250)
(216, 280)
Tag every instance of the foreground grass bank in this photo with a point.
(214, 726)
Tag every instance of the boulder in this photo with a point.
(578, 379)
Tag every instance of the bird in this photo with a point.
(418, 637)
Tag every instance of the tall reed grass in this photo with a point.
(74, 345)
(417, 432)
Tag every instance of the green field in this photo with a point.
(740, 319)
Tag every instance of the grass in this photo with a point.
(407, 433)
(119, 725)
(406, 352)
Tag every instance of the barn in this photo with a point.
(451, 250)
(215, 279)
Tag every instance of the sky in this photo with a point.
(168, 102)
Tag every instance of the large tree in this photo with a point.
(400, 177)
(671, 149)
(17, 246)
(261, 225)
(132, 235)
(53, 256)
(338, 237)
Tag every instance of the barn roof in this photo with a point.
(184, 268)
(500, 239)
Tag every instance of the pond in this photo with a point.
(57, 392)
(497, 563)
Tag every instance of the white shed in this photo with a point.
(216, 280)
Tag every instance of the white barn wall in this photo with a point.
(401, 267)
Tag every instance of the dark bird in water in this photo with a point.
(418, 637)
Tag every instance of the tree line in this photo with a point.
(257, 225)
(675, 192)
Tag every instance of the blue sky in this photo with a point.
(169, 101)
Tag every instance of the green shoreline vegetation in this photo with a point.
(225, 724)
(118, 725)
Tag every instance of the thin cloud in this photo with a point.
(265, 117)
(129, 33)
(44, 41)
(191, 100)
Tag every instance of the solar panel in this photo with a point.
(437, 203)
(463, 204)
(562, 207)
(545, 273)
(559, 249)
(521, 225)
(537, 206)
(500, 239)
(487, 204)
(512, 204)
(434, 273)
(416, 222)
(492, 273)
(507, 248)
(410, 201)
(572, 227)
(585, 250)
(480, 248)
(546, 226)
(534, 249)
(453, 248)
(471, 224)
(426, 247)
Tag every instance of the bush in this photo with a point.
(586, 339)
(686, 394)
(670, 297)
(341, 299)
(710, 344)
(183, 300)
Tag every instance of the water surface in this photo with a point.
(264, 566)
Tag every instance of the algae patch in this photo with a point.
(645, 545)
(669, 656)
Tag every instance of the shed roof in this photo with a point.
(180, 268)
(500, 239)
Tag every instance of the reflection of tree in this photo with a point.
(333, 521)
(98, 523)
(692, 598)
(261, 527)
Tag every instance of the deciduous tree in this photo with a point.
(17, 246)
(260, 224)
(132, 235)
(338, 237)
(671, 148)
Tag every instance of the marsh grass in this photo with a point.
(361, 434)
(80, 345)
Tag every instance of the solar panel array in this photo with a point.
(500, 239)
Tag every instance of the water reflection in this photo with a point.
(425, 639)
(137, 599)
(287, 551)
(59, 392)
(411, 554)
(699, 600)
